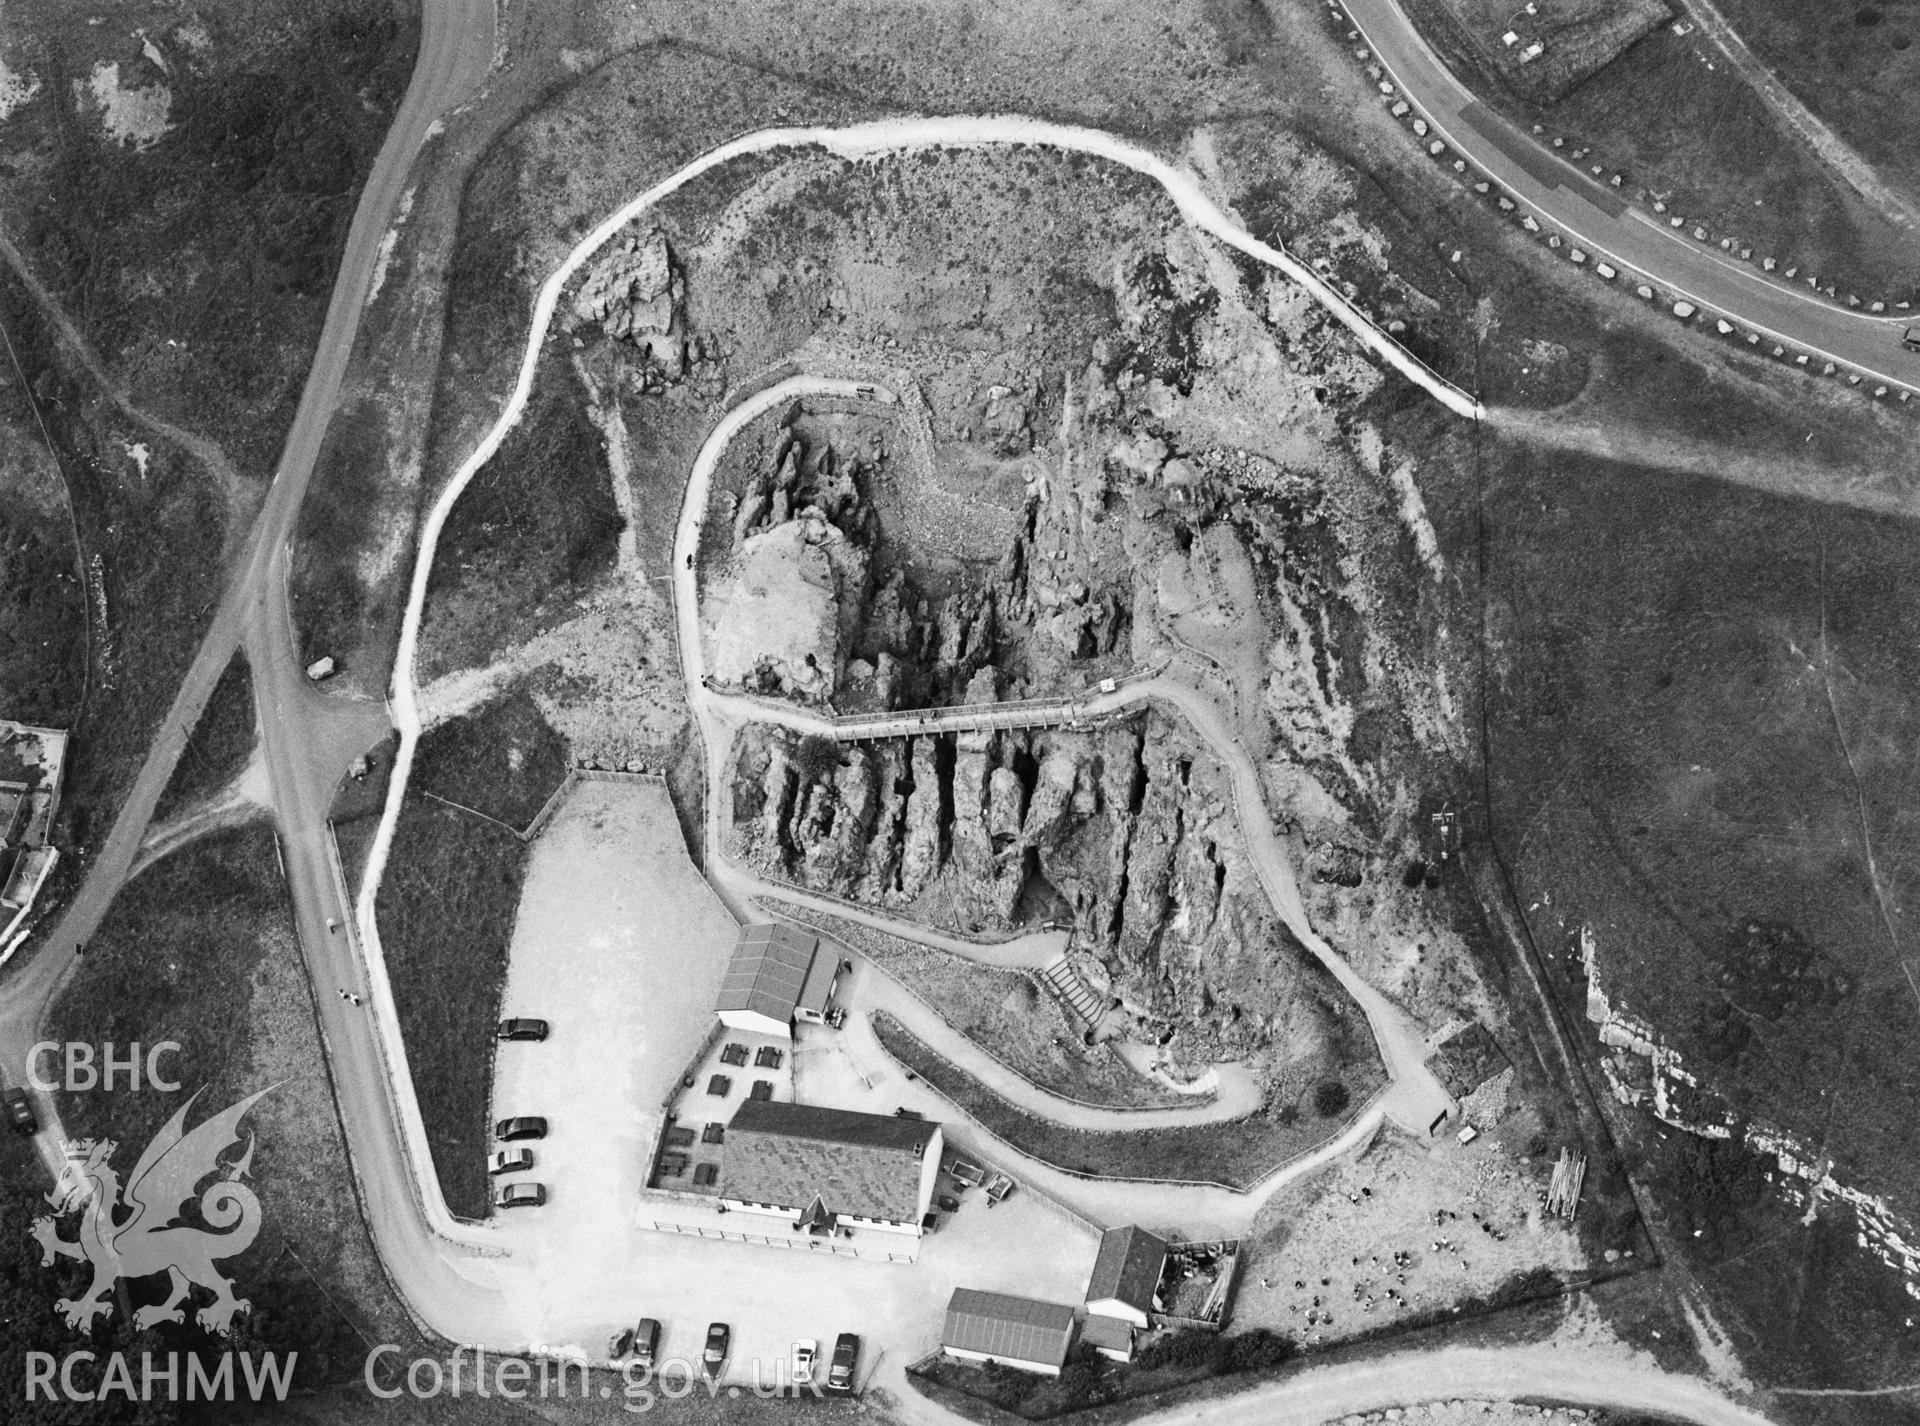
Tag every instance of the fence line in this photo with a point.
(1346, 1127)
(924, 1004)
(552, 805)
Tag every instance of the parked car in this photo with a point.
(804, 1352)
(20, 1112)
(509, 1160)
(646, 1341)
(620, 1344)
(520, 1195)
(1910, 339)
(521, 1126)
(522, 1027)
(846, 1356)
(719, 1338)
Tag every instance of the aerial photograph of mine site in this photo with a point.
(960, 712)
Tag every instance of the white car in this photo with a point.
(803, 1354)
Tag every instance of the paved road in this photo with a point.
(456, 50)
(1635, 241)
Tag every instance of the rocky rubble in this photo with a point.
(635, 293)
(1125, 831)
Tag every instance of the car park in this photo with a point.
(846, 1358)
(520, 1195)
(804, 1351)
(509, 1161)
(521, 1126)
(646, 1341)
(20, 1112)
(522, 1027)
(719, 1338)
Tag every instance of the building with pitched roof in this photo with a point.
(778, 974)
(1015, 1331)
(1108, 1336)
(831, 1172)
(1126, 1275)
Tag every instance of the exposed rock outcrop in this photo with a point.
(1125, 831)
(635, 294)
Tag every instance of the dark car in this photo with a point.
(846, 1356)
(522, 1027)
(521, 1126)
(719, 1338)
(646, 1341)
(20, 1112)
(520, 1195)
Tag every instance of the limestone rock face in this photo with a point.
(1126, 832)
(776, 620)
(920, 857)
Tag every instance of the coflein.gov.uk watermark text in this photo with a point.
(470, 1371)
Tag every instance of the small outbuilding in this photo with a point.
(1014, 1331)
(1126, 1275)
(778, 974)
(1108, 1336)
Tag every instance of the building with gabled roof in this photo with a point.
(1015, 1331)
(830, 1172)
(1108, 1336)
(1126, 1275)
(778, 974)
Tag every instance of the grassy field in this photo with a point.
(1700, 734)
(333, 608)
(504, 761)
(1855, 66)
(221, 743)
(447, 908)
(43, 609)
(527, 537)
(200, 951)
(273, 111)
(152, 550)
(447, 904)
(1004, 1012)
(1236, 1154)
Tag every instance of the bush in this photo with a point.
(1331, 1098)
(1255, 1351)
(1188, 1348)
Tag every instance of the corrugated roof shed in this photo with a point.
(819, 982)
(1015, 1329)
(768, 972)
(867, 1165)
(1128, 1267)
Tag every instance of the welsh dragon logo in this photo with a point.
(151, 1239)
